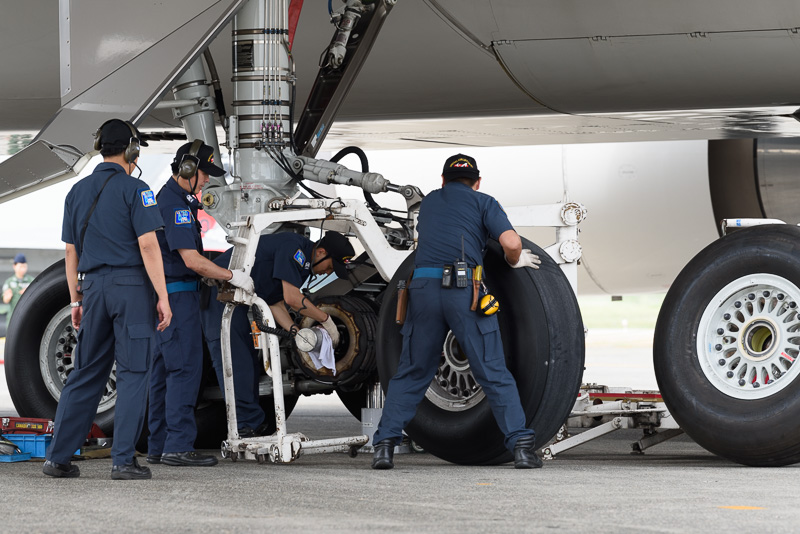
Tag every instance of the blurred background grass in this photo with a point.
(633, 311)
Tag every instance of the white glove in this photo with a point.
(239, 279)
(526, 259)
(329, 327)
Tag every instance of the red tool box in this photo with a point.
(25, 425)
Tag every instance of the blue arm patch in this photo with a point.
(299, 257)
(183, 216)
(148, 198)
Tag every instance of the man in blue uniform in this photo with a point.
(178, 357)
(282, 264)
(109, 227)
(454, 225)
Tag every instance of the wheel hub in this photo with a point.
(454, 388)
(758, 341)
(748, 337)
(56, 360)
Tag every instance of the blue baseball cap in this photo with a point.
(19, 258)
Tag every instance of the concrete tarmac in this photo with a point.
(598, 487)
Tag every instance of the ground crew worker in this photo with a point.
(283, 262)
(178, 357)
(454, 225)
(15, 286)
(109, 227)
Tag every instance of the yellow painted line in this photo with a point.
(743, 507)
(485, 484)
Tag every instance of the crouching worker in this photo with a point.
(282, 264)
(178, 357)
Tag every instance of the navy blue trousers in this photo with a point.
(245, 358)
(117, 325)
(175, 377)
(432, 311)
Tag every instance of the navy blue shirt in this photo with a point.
(126, 210)
(181, 230)
(279, 257)
(446, 215)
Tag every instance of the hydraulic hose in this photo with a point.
(364, 168)
(212, 70)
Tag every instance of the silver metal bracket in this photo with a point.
(605, 411)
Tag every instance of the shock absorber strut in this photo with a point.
(260, 126)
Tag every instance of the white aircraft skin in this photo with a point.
(610, 179)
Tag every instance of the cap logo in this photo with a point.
(461, 162)
(211, 158)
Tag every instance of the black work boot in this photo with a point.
(131, 471)
(68, 470)
(384, 454)
(525, 453)
(188, 459)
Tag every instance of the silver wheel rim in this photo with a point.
(454, 388)
(749, 337)
(56, 361)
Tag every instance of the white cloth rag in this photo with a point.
(324, 356)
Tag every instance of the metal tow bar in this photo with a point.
(615, 410)
(280, 447)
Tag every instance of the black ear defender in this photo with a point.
(131, 151)
(187, 167)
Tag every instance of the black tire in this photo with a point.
(46, 297)
(212, 422)
(716, 410)
(357, 321)
(356, 399)
(543, 339)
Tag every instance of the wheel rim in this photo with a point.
(748, 337)
(56, 361)
(454, 388)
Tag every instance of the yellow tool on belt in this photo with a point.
(488, 303)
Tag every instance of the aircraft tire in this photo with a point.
(724, 344)
(42, 314)
(212, 422)
(354, 400)
(543, 339)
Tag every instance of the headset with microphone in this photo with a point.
(187, 167)
(131, 151)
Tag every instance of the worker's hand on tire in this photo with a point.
(526, 259)
(329, 327)
(240, 279)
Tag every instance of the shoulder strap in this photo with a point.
(91, 210)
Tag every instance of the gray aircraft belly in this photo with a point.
(446, 59)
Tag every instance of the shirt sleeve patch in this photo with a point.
(183, 216)
(148, 198)
(299, 257)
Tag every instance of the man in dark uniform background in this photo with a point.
(109, 227)
(454, 225)
(283, 262)
(178, 358)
